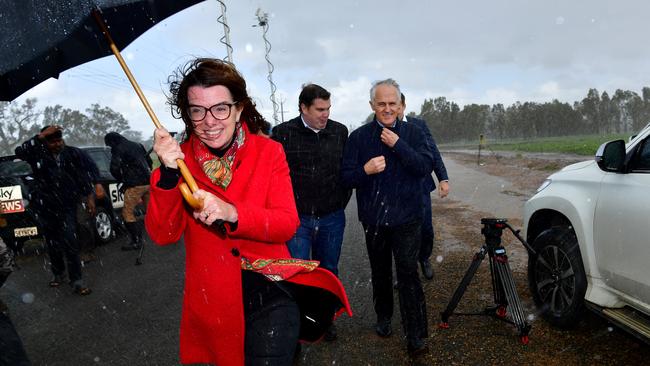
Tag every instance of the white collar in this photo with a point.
(308, 126)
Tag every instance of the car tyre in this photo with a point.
(104, 229)
(557, 277)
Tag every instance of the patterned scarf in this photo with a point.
(218, 169)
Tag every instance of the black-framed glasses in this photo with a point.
(219, 111)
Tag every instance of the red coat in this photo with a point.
(212, 322)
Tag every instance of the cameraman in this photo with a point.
(11, 348)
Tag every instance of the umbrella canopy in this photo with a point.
(41, 38)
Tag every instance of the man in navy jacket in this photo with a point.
(426, 247)
(65, 175)
(385, 161)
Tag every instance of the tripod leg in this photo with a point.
(460, 290)
(510, 290)
(138, 261)
(497, 290)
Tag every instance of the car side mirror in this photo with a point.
(610, 156)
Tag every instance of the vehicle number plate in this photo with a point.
(25, 231)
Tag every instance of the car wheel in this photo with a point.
(556, 276)
(104, 230)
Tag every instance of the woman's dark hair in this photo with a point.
(207, 72)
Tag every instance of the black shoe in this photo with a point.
(383, 328)
(57, 280)
(330, 334)
(79, 288)
(416, 349)
(427, 270)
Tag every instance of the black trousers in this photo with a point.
(272, 322)
(403, 242)
(428, 235)
(61, 242)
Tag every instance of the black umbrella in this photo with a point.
(42, 38)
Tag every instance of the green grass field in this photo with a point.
(580, 145)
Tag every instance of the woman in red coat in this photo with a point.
(245, 300)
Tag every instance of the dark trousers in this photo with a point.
(62, 245)
(428, 236)
(272, 322)
(12, 352)
(403, 242)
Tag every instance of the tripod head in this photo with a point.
(492, 230)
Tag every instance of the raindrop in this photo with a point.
(610, 329)
(531, 317)
(352, 26)
(559, 20)
(439, 259)
(27, 298)
(96, 359)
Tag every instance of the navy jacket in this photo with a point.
(62, 184)
(438, 164)
(315, 165)
(392, 197)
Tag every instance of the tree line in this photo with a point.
(597, 113)
(624, 112)
(20, 122)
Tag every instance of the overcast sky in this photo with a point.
(468, 51)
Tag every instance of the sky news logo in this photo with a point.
(11, 199)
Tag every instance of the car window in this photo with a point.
(640, 162)
(14, 168)
(102, 159)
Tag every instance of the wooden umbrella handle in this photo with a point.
(187, 194)
(189, 179)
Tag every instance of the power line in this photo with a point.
(226, 31)
(263, 21)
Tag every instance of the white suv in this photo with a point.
(589, 225)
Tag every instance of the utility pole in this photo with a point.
(282, 110)
(263, 21)
(226, 31)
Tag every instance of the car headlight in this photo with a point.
(545, 183)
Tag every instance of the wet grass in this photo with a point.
(580, 145)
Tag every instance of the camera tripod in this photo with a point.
(503, 285)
